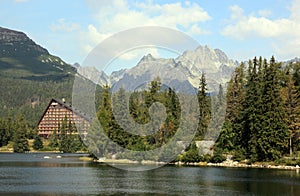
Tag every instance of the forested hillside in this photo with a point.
(30, 76)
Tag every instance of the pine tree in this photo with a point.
(272, 135)
(204, 108)
(250, 114)
(37, 143)
(54, 140)
(107, 121)
(218, 112)
(20, 140)
(64, 142)
(230, 135)
(4, 134)
(292, 105)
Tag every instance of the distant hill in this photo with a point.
(30, 76)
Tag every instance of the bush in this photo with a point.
(205, 158)
(191, 156)
(288, 162)
(217, 157)
(37, 143)
(239, 155)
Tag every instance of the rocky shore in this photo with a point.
(227, 163)
(232, 164)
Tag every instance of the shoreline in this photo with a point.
(225, 164)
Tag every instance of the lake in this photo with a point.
(32, 174)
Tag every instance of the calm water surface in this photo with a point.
(31, 174)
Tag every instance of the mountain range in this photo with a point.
(181, 73)
(30, 76)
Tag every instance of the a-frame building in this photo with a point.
(55, 113)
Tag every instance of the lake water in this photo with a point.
(32, 174)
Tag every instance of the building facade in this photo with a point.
(55, 113)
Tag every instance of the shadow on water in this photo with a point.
(49, 174)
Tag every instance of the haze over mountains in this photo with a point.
(182, 73)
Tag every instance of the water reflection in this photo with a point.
(32, 174)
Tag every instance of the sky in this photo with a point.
(242, 29)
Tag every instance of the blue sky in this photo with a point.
(241, 28)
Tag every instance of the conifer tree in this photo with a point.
(20, 140)
(4, 134)
(37, 143)
(230, 136)
(272, 135)
(63, 129)
(54, 140)
(250, 114)
(292, 105)
(204, 108)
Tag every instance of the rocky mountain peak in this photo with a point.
(183, 72)
(8, 36)
(147, 57)
(15, 43)
(203, 55)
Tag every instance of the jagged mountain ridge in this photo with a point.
(182, 72)
(15, 43)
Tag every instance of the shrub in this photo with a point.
(217, 157)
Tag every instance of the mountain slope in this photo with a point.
(22, 57)
(30, 76)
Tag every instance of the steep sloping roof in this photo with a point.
(67, 106)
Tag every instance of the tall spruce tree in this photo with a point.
(204, 108)
(250, 115)
(20, 135)
(230, 135)
(292, 106)
(4, 133)
(272, 135)
(64, 142)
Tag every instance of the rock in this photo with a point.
(18, 43)
(205, 147)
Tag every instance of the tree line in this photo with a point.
(262, 115)
(263, 111)
(17, 131)
(140, 104)
(262, 119)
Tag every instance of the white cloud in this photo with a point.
(196, 30)
(282, 32)
(236, 12)
(118, 15)
(251, 27)
(294, 9)
(63, 25)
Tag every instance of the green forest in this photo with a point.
(262, 115)
(262, 122)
